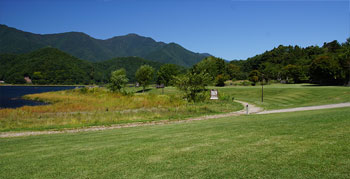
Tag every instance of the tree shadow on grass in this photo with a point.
(141, 91)
(318, 85)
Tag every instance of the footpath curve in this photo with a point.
(252, 110)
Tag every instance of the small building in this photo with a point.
(27, 79)
(2, 82)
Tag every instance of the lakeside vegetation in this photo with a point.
(98, 106)
(309, 144)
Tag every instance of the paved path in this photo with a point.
(252, 110)
(309, 108)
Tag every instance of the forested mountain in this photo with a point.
(52, 66)
(326, 65)
(85, 47)
(329, 64)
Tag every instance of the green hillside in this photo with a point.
(46, 66)
(177, 54)
(85, 47)
(52, 66)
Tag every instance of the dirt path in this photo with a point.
(252, 110)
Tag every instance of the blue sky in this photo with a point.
(230, 29)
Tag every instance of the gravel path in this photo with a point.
(328, 106)
(252, 110)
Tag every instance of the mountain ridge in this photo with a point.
(85, 47)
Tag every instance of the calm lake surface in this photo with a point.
(10, 96)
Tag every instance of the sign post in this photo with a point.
(214, 94)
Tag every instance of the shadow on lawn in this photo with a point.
(141, 91)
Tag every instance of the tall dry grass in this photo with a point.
(97, 106)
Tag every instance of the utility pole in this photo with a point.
(262, 89)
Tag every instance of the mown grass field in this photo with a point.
(309, 144)
(281, 96)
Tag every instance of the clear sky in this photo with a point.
(231, 29)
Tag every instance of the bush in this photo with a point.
(193, 85)
(118, 80)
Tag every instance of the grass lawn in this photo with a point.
(280, 96)
(309, 144)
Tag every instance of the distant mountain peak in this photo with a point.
(133, 35)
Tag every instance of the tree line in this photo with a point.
(326, 65)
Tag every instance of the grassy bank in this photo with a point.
(310, 144)
(96, 106)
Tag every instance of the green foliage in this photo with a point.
(144, 75)
(254, 77)
(166, 74)
(52, 66)
(46, 66)
(325, 70)
(296, 73)
(212, 66)
(193, 85)
(130, 64)
(220, 80)
(296, 65)
(118, 80)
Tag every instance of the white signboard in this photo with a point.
(214, 94)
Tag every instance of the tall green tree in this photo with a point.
(325, 69)
(167, 73)
(254, 77)
(212, 66)
(144, 75)
(118, 80)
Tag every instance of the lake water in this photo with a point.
(10, 96)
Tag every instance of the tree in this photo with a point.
(211, 65)
(118, 80)
(233, 71)
(254, 76)
(193, 85)
(166, 74)
(325, 70)
(144, 76)
(220, 80)
(38, 78)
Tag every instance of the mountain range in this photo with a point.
(83, 46)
